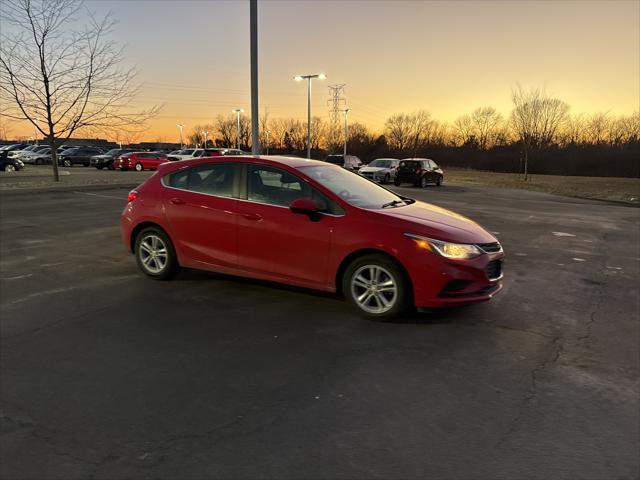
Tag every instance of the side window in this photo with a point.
(210, 178)
(274, 186)
(434, 165)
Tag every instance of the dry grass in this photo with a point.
(625, 190)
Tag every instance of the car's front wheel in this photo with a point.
(423, 182)
(9, 168)
(66, 163)
(155, 254)
(387, 179)
(376, 286)
(439, 181)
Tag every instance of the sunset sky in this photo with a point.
(446, 57)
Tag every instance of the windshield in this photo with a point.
(381, 163)
(353, 188)
(186, 152)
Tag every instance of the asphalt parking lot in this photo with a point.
(108, 374)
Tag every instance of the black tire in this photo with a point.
(171, 266)
(387, 179)
(423, 182)
(99, 168)
(110, 166)
(139, 167)
(397, 182)
(402, 300)
(439, 181)
(39, 162)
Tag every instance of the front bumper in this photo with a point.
(439, 282)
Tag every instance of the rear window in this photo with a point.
(336, 159)
(409, 164)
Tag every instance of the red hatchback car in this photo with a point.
(310, 224)
(139, 161)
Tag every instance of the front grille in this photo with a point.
(490, 247)
(494, 269)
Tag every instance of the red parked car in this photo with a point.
(139, 161)
(310, 224)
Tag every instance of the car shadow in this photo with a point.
(441, 316)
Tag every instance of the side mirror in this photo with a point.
(304, 205)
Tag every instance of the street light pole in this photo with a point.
(299, 78)
(237, 111)
(206, 133)
(255, 115)
(346, 130)
(181, 126)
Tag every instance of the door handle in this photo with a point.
(177, 201)
(252, 216)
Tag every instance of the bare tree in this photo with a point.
(5, 130)
(536, 119)
(486, 122)
(63, 79)
(398, 131)
(464, 132)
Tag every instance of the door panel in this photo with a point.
(273, 240)
(204, 225)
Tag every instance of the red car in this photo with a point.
(310, 224)
(139, 161)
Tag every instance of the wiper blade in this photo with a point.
(393, 203)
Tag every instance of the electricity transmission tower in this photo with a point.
(337, 103)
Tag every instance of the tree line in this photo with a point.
(539, 135)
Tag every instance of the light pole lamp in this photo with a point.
(238, 111)
(299, 78)
(346, 130)
(181, 126)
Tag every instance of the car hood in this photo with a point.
(438, 223)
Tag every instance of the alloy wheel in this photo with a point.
(9, 168)
(374, 289)
(153, 254)
(138, 167)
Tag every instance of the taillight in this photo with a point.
(132, 196)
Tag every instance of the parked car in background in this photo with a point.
(30, 148)
(188, 153)
(9, 164)
(350, 162)
(381, 170)
(13, 150)
(276, 218)
(78, 156)
(139, 161)
(40, 156)
(106, 159)
(419, 171)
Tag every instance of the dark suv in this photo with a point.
(419, 171)
(80, 155)
(105, 160)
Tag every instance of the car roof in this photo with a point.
(293, 162)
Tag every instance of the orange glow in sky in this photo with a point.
(394, 56)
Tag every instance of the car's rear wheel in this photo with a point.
(376, 286)
(155, 254)
(139, 167)
(396, 182)
(110, 166)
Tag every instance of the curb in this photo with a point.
(68, 188)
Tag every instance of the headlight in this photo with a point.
(458, 251)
